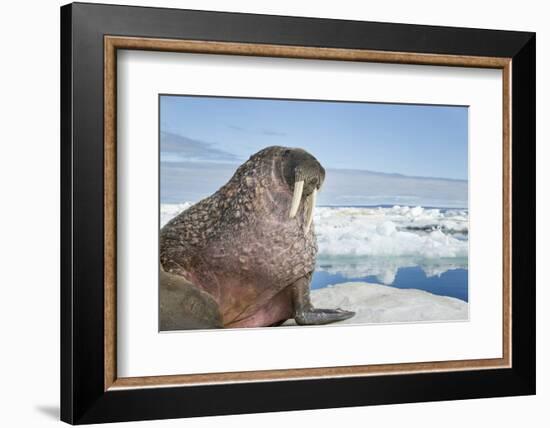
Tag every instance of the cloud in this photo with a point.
(272, 133)
(182, 148)
(268, 132)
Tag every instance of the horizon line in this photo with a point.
(398, 174)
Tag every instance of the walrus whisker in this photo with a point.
(312, 201)
(296, 198)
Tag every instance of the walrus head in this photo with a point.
(304, 175)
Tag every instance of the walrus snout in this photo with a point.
(300, 165)
(305, 176)
(312, 174)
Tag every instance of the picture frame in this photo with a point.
(91, 35)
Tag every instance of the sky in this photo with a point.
(373, 153)
(415, 140)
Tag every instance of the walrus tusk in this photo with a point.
(296, 197)
(312, 201)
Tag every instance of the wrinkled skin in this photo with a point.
(236, 258)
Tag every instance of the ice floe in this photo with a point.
(396, 231)
(169, 211)
(355, 242)
(374, 303)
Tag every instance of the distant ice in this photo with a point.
(169, 211)
(397, 231)
(374, 303)
(192, 181)
(361, 241)
(378, 231)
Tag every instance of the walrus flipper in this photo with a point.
(306, 314)
(184, 306)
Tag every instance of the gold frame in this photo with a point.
(113, 43)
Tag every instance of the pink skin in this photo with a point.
(274, 312)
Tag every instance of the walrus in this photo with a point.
(244, 256)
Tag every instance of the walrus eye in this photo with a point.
(296, 198)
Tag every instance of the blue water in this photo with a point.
(427, 207)
(453, 282)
